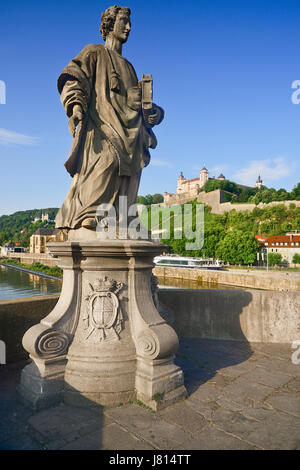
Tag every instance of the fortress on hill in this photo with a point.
(186, 186)
(188, 190)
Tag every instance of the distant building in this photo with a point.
(43, 218)
(7, 249)
(261, 239)
(186, 186)
(259, 182)
(190, 188)
(42, 236)
(286, 245)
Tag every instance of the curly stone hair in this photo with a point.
(108, 19)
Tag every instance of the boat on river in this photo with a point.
(176, 261)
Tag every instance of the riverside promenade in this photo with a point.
(241, 396)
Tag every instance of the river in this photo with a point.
(16, 284)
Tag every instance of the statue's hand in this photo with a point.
(134, 98)
(75, 119)
(155, 117)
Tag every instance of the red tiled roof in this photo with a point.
(260, 238)
(289, 239)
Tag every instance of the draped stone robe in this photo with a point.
(111, 143)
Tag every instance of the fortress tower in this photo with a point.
(204, 176)
(180, 180)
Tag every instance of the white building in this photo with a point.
(286, 245)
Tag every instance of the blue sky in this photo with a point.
(222, 70)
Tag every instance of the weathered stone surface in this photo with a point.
(279, 432)
(112, 437)
(252, 315)
(247, 390)
(230, 404)
(16, 317)
(293, 385)
(207, 393)
(234, 421)
(115, 437)
(185, 417)
(266, 377)
(155, 431)
(212, 438)
(71, 421)
(20, 442)
(111, 116)
(237, 370)
(105, 341)
(260, 413)
(286, 401)
(220, 381)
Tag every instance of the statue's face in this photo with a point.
(122, 27)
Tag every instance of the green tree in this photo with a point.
(296, 258)
(274, 258)
(238, 247)
(157, 198)
(225, 185)
(295, 193)
(141, 200)
(282, 195)
(2, 238)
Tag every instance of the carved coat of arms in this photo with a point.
(103, 318)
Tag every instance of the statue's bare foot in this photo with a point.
(89, 223)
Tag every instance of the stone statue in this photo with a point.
(112, 136)
(105, 341)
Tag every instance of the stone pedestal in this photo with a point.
(104, 342)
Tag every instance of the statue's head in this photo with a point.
(116, 20)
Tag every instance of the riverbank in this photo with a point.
(233, 277)
(36, 268)
(274, 280)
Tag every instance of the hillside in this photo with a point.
(12, 225)
(233, 231)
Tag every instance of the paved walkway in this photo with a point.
(241, 396)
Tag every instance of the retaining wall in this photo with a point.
(240, 315)
(17, 316)
(253, 280)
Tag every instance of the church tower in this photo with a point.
(259, 182)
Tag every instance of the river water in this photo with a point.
(16, 284)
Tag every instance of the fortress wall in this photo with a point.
(216, 199)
